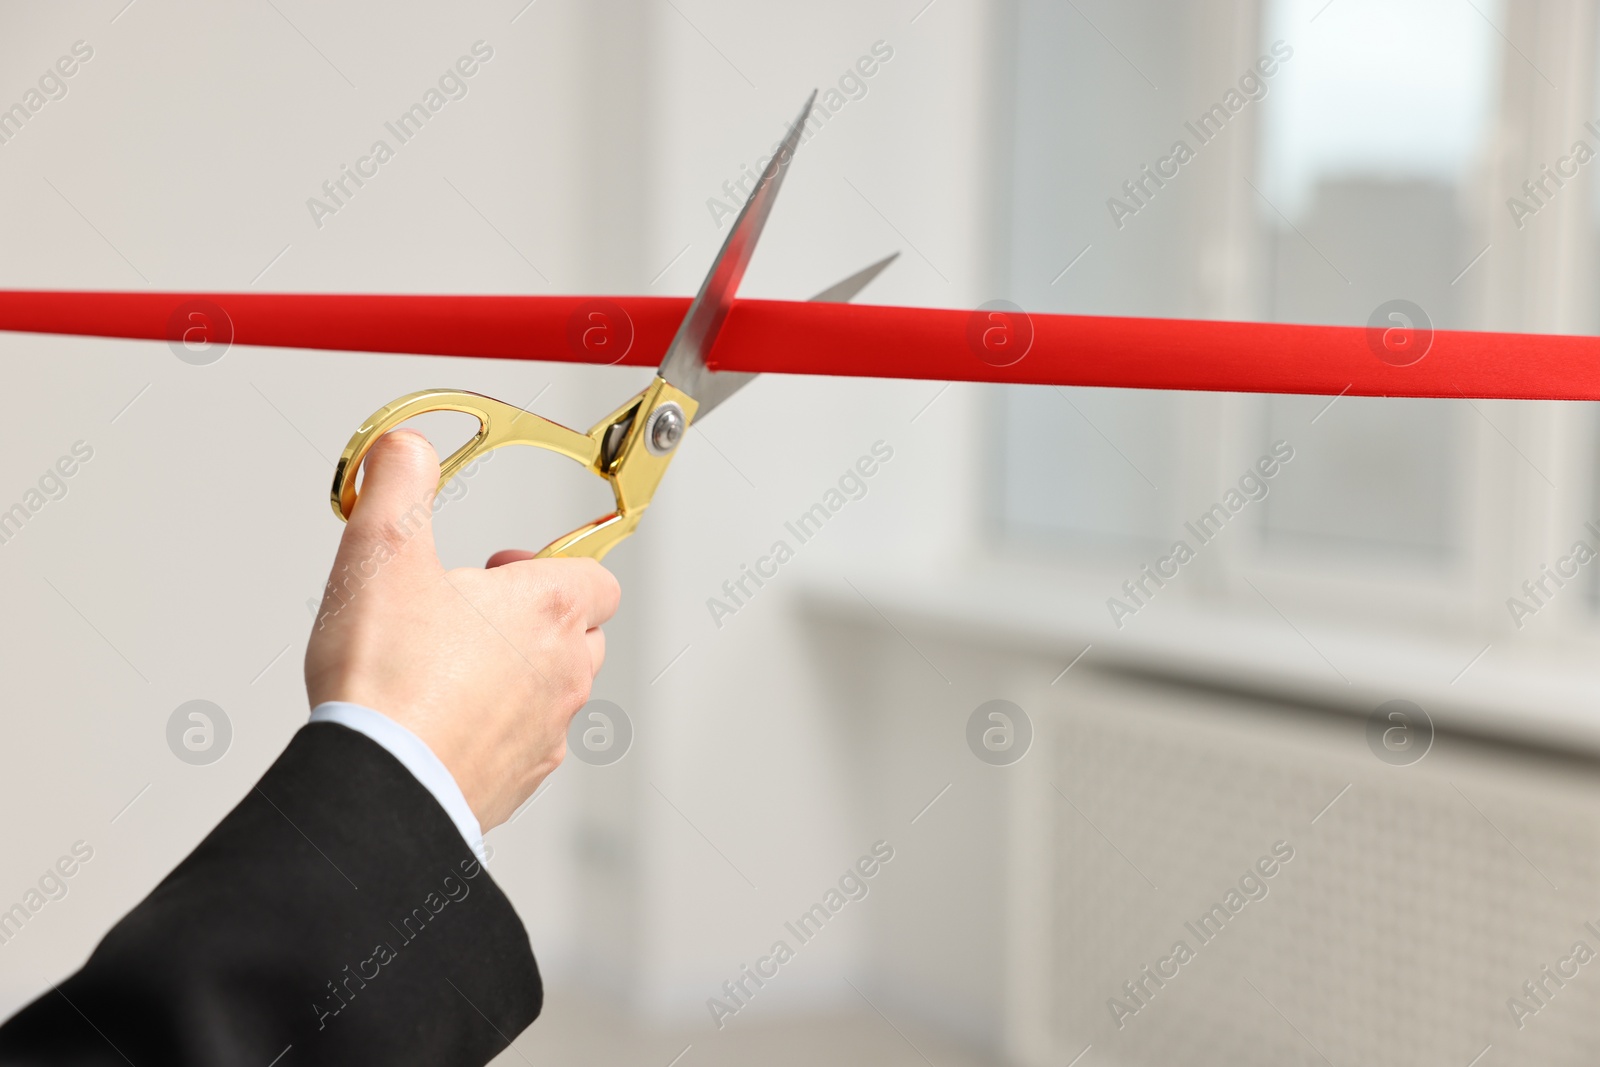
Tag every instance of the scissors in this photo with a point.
(631, 447)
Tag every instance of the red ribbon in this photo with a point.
(786, 337)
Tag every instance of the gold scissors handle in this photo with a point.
(630, 449)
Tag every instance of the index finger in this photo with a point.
(593, 591)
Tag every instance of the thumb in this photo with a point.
(393, 516)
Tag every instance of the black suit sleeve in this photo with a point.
(334, 917)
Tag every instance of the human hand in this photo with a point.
(486, 666)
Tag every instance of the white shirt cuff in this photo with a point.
(415, 755)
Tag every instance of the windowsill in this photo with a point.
(1522, 693)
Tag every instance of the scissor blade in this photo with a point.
(685, 363)
(847, 290)
(727, 382)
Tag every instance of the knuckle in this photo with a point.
(380, 542)
(558, 603)
(386, 539)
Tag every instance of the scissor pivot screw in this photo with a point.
(664, 429)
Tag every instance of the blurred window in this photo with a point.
(1365, 158)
